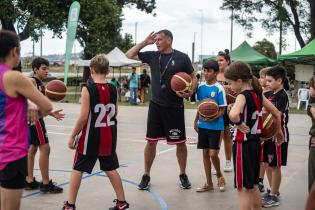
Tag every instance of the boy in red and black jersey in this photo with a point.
(39, 138)
(98, 127)
(276, 154)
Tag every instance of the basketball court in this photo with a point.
(96, 192)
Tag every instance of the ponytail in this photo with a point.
(257, 87)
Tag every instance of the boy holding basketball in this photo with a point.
(98, 127)
(276, 154)
(39, 138)
(209, 130)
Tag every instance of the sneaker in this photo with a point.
(221, 183)
(228, 166)
(32, 185)
(184, 181)
(120, 205)
(67, 206)
(270, 201)
(261, 187)
(145, 182)
(51, 187)
(267, 193)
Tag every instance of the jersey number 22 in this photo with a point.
(102, 110)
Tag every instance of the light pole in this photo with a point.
(201, 34)
(193, 49)
(136, 30)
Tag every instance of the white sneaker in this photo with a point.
(228, 166)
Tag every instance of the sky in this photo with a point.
(184, 19)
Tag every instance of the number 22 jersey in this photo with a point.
(99, 134)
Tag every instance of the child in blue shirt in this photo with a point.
(209, 130)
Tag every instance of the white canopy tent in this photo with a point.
(115, 57)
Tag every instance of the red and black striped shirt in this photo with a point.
(99, 135)
(251, 116)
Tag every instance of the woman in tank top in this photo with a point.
(224, 60)
(15, 89)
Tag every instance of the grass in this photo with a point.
(187, 104)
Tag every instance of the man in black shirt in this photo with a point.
(166, 109)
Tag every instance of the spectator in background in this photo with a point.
(193, 96)
(133, 79)
(115, 83)
(145, 81)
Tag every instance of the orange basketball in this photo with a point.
(270, 127)
(56, 90)
(181, 82)
(230, 95)
(208, 108)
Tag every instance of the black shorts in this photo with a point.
(208, 139)
(14, 174)
(38, 133)
(166, 123)
(275, 155)
(246, 163)
(85, 163)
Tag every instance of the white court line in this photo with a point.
(59, 126)
(65, 134)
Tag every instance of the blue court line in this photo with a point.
(154, 194)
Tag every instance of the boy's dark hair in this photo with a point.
(225, 55)
(8, 41)
(210, 64)
(37, 62)
(277, 72)
(241, 70)
(100, 64)
(166, 33)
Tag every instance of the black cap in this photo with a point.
(210, 64)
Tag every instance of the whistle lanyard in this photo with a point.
(168, 62)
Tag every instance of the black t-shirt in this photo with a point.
(145, 80)
(281, 101)
(170, 64)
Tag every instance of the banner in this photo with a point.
(71, 31)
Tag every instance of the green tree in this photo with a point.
(100, 21)
(266, 48)
(275, 15)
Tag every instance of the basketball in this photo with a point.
(230, 95)
(181, 82)
(56, 90)
(208, 108)
(270, 127)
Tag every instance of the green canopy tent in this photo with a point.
(246, 53)
(306, 55)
